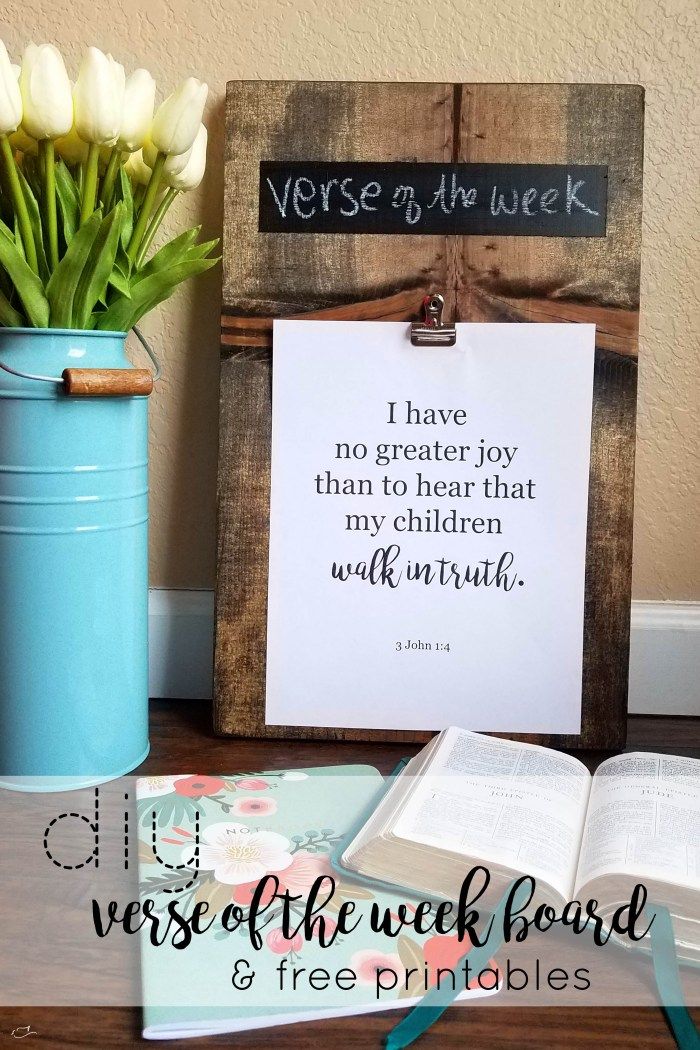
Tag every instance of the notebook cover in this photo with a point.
(310, 814)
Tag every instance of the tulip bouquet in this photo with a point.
(87, 174)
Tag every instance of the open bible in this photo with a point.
(516, 808)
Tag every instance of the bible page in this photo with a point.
(516, 805)
(644, 820)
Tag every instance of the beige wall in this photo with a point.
(654, 43)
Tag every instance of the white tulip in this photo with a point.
(177, 120)
(139, 100)
(174, 162)
(137, 168)
(98, 98)
(72, 148)
(20, 140)
(193, 172)
(10, 97)
(46, 93)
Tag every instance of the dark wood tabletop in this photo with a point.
(181, 740)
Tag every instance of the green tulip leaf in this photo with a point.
(68, 197)
(200, 251)
(124, 313)
(30, 169)
(35, 222)
(62, 287)
(6, 232)
(5, 209)
(17, 240)
(6, 285)
(120, 283)
(98, 268)
(169, 255)
(125, 195)
(29, 287)
(120, 277)
(9, 317)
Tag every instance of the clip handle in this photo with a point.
(431, 331)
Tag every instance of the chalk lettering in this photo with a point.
(547, 200)
(572, 189)
(281, 204)
(299, 197)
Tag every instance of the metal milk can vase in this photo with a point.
(73, 559)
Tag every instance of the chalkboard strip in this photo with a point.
(257, 331)
(428, 197)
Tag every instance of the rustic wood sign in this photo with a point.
(567, 249)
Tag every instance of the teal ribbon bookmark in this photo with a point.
(437, 1000)
(668, 981)
(666, 973)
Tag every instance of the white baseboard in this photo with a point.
(181, 643)
(664, 660)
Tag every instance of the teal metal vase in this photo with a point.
(73, 566)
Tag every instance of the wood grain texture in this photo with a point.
(484, 1028)
(590, 280)
(519, 279)
(283, 275)
(181, 739)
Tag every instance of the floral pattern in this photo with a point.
(254, 807)
(156, 787)
(233, 857)
(243, 893)
(281, 945)
(369, 961)
(174, 799)
(442, 952)
(252, 784)
(305, 868)
(197, 787)
(236, 854)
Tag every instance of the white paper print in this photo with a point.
(428, 526)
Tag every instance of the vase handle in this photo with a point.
(102, 382)
(158, 371)
(107, 382)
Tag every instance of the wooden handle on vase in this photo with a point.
(107, 382)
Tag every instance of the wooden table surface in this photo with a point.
(181, 740)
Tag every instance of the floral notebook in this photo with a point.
(212, 838)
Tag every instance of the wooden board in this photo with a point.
(383, 276)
